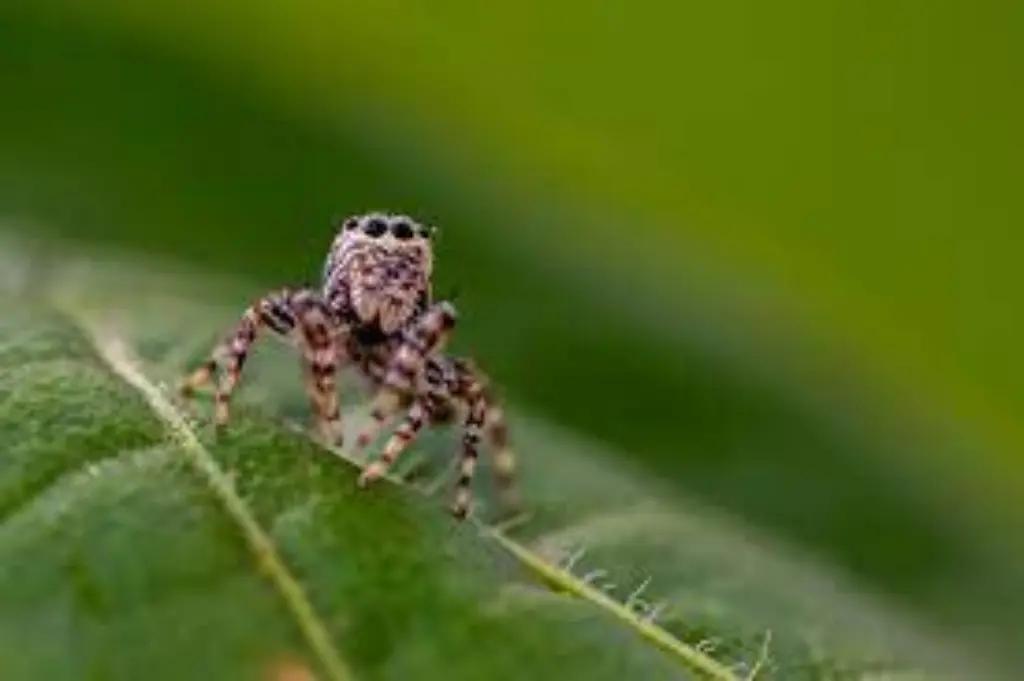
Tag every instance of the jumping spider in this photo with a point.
(374, 313)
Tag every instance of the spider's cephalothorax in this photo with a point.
(373, 311)
(377, 275)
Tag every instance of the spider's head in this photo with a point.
(387, 261)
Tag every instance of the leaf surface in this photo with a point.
(134, 544)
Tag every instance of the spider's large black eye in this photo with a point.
(402, 230)
(375, 227)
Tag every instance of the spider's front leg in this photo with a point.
(403, 436)
(283, 311)
(323, 349)
(404, 369)
(273, 311)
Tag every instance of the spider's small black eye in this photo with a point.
(351, 224)
(375, 227)
(402, 230)
(424, 232)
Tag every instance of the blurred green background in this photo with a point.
(770, 249)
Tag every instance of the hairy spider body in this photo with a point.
(373, 311)
(377, 274)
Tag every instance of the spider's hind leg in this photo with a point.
(475, 416)
(484, 417)
(503, 458)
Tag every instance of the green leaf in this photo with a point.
(134, 544)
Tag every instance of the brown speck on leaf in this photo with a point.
(290, 669)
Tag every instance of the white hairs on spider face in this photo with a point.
(385, 261)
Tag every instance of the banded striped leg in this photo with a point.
(321, 352)
(281, 311)
(272, 310)
(469, 454)
(373, 366)
(424, 339)
(503, 459)
(400, 439)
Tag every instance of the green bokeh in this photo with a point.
(854, 163)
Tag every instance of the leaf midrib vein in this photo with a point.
(120, 359)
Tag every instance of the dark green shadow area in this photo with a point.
(112, 142)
